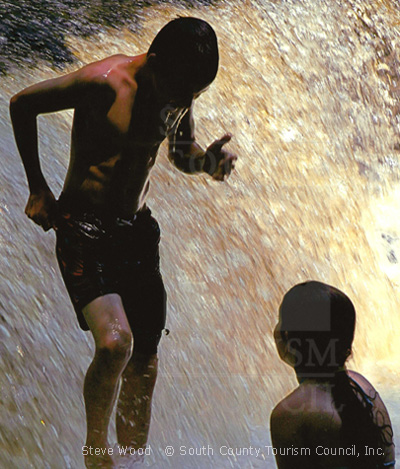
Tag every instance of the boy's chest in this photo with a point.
(123, 128)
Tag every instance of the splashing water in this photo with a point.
(309, 91)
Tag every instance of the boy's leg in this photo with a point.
(113, 341)
(144, 298)
(146, 311)
(134, 404)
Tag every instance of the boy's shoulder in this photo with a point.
(114, 71)
(303, 403)
(102, 68)
(290, 408)
(303, 416)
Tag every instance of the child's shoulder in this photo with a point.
(302, 405)
(295, 404)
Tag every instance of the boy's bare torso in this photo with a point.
(311, 420)
(116, 134)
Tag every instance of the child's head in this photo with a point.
(185, 56)
(316, 329)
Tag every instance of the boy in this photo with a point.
(107, 240)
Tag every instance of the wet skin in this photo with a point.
(122, 114)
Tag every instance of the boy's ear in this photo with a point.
(152, 60)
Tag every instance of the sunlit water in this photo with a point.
(309, 91)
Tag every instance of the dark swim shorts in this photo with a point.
(119, 256)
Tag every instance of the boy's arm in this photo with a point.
(48, 96)
(185, 153)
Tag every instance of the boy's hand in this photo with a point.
(219, 163)
(42, 208)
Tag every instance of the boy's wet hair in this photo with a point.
(321, 315)
(186, 52)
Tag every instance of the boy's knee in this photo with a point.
(116, 345)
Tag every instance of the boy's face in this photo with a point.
(178, 94)
(172, 87)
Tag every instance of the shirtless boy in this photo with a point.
(107, 240)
